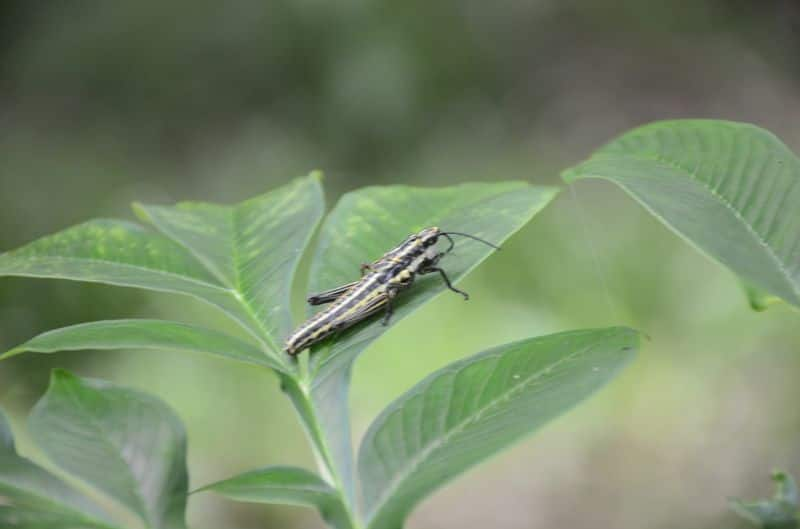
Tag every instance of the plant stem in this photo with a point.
(299, 393)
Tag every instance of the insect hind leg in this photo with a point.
(387, 315)
(329, 296)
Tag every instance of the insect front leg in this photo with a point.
(391, 292)
(446, 280)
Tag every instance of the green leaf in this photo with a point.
(731, 189)
(125, 254)
(125, 443)
(368, 222)
(252, 248)
(780, 512)
(473, 408)
(284, 485)
(32, 498)
(145, 334)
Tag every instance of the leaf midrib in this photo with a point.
(322, 489)
(239, 293)
(220, 289)
(415, 461)
(171, 275)
(123, 323)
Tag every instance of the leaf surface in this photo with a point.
(283, 485)
(731, 189)
(32, 498)
(121, 253)
(145, 334)
(475, 407)
(125, 443)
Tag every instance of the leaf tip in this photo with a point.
(778, 476)
(630, 331)
(762, 304)
(759, 299)
(140, 210)
(317, 175)
(630, 339)
(571, 174)
(204, 488)
(60, 375)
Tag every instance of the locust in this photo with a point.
(380, 283)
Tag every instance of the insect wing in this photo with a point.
(363, 312)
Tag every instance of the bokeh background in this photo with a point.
(103, 103)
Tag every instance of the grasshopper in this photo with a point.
(380, 283)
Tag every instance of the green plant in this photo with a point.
(730, 189)
(782, 511)
(242, 259)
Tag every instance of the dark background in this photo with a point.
(103, 103)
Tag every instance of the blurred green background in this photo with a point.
(103, 103)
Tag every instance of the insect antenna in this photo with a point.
(449, 233)
(452, 244)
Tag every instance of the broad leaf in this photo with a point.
(125, 443)
(252, 248)
(145, 334)
(122, 253)
(284, 485)
(731, 189)
(368, 222)
(473, 408)
(31, 497)
(780, 512)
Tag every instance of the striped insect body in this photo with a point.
(380, 283)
